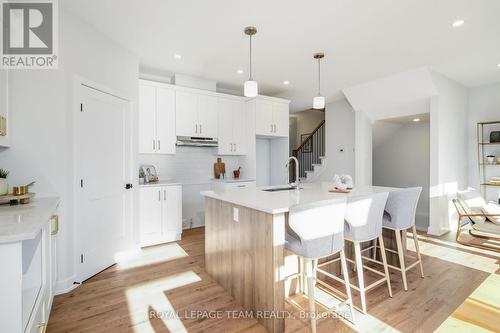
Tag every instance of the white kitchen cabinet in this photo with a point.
(232, 129)
(271, 118)
(160, 214)
(156, 118)
(196, 115)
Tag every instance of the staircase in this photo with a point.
(311, 155)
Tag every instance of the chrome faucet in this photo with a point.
(296, 183)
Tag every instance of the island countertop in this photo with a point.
(281, 201)
(21, 222)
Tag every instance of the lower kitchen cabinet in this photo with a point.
(160, 214)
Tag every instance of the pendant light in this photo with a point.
(250, 88)
(319, 101)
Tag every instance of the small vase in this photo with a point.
(4, 186)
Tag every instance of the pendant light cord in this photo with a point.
(250, 78)
(319, 77)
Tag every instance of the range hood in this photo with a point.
(196, 141)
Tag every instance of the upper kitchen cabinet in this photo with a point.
(196, 115)
(271, 117)
(156, 118)
(232, 129)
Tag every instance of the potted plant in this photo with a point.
(4, 186)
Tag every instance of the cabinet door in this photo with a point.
(150, 219)
(239, 128)
(147, 119)
(225, 115)
(186, 114)
(172, 209)
(207, 116)
(281, 119)
(165, 121)
(264, 118)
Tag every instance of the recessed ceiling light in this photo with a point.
(498, 65)
(416, 120)
(458, 23)
(177, 56)
(286, 83)
(239, 71)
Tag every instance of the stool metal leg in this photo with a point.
(359, 268)
(345, 273)
(401, 258)
(311, 276)
(384, 261)
(417, 249)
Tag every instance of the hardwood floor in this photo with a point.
(162, 288)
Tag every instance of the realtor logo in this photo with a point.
(29, 34)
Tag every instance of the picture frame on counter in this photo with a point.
(150, 174)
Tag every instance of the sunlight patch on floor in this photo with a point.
(147, 302)
(150, 255)
(480, 312)
(428, 247)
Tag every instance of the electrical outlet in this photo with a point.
(236, 214)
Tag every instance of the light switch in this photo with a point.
(236, 214)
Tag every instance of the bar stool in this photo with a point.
(400, 211)
(363, 223)
(316, 231)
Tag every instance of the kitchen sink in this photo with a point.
(276, 189)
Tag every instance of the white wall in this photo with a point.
(401, 158)
(362, 149)
(194, 168)
(339, 135)
(448, 130)
(41, 120)
(484, 105)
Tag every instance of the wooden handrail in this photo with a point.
(295, 151)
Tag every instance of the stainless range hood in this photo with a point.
(196, 141)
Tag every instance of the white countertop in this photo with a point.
(22, 222)
(232, 180)
(161, 183)
(281, 201)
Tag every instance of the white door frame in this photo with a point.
(78, 82)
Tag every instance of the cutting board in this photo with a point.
(16, 199)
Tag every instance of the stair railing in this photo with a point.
(310, 151)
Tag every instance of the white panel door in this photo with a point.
(225, 115)
(264, 118)
(239, 128)
(150, 213)
(165, 121)
(207, 116)
(102, 168)
(147, 119)
(281, 119)
(186, 114)
(172, 208)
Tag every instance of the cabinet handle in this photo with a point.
(196, 130)
(231, 147)
(235, 147)
(201, 130)
(164, 194)
(271, 128)
(159, 195)
(154, 144)
(43, 326)
(159, 145)
(274, 128)
(55, 218)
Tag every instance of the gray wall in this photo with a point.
(401, 158)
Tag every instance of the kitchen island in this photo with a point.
(245, 243)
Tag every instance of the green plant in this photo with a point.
(3, 173)
(141, 173)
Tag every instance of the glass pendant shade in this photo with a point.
(250, 89)
(319, 102)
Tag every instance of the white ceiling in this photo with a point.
(363, 39)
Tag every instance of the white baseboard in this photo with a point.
(64, 286)
(437, 231)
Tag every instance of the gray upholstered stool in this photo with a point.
(363, 223)
(400, 211)
(317, 231)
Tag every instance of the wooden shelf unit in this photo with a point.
(481, 154)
